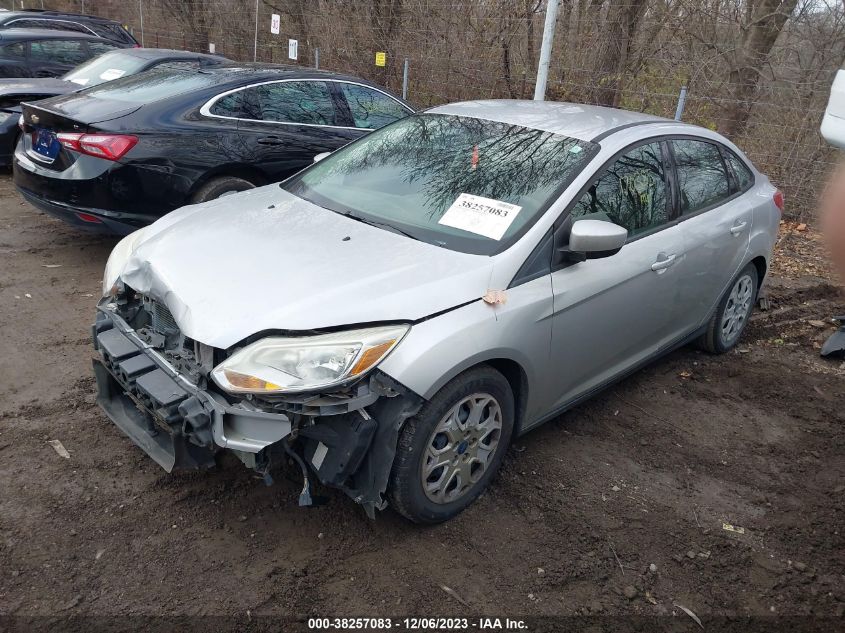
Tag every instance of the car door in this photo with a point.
(286, 123)
(611, 313)
(715, 222)
(51, 58)
(370, 108)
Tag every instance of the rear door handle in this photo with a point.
(663, 262)
(738, 228)
(270, 140)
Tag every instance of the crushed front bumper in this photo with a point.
(176, 423)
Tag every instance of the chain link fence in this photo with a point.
(758, 70)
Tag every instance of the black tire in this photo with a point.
(714, 339)
(220, 186)
(405, 491)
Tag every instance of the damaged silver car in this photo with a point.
(391, 317)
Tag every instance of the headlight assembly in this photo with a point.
(277, 365)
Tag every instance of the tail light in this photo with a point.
(778, 200)
(108, 146)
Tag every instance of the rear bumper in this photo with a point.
(83, 218)
(123, 197)
(177, 424)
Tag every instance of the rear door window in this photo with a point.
(702, 175)
(308, 102)
(370, 108)
(743, 175)
(70, 52)
(631, 192)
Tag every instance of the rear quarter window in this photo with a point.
(743, 175)
(13, 51)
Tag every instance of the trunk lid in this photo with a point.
(67, 113)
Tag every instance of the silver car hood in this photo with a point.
(267, 260)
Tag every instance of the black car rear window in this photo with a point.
(153, 85)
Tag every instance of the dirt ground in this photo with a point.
(616, 508)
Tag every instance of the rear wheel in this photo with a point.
(731, 316)
(219, 187)
(449, 451)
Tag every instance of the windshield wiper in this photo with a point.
(384, 225)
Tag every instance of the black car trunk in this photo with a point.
(76, 114)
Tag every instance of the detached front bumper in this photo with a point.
(177, 424)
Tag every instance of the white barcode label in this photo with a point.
(479, 215)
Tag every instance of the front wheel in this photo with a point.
(732, 314)
(449, 451)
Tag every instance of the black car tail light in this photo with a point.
(108, 146)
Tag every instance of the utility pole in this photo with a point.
(255, 42)
(546, 50)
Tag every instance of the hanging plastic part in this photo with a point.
(305, 497)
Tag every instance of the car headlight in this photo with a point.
(282, 364)
(117, 260)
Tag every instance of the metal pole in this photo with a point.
(83, 7)
(317, 58)
(255, 42)
(141, 13)
(682, 100)
(546, 50)
(405, 80)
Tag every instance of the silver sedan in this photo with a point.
(393, 316)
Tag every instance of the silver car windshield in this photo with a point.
(462, 183)
(105, 68)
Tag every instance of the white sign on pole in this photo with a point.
(275, 23)
(211, 48)
(293, 49)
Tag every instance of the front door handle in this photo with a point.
(738, 228)
(663, 262)
(270, 140)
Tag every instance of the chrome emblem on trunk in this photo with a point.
(34, 118)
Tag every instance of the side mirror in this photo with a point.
(591, 239)
(833, 122)
(321, 156)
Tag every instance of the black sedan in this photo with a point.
(118, 156)
(112, 65)
(45, 53)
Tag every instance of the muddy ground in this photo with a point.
(644, 475)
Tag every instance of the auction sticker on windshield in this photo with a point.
(479, 215)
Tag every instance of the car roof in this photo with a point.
(237, 74)
(233, 71)
(575, 120)
(37, 13)
(13, 35)
(157, 53)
